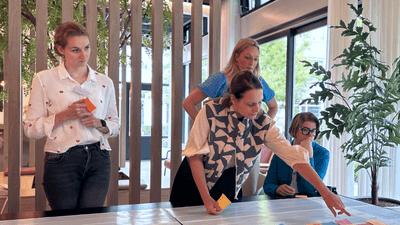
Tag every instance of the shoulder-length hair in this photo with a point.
(298, 121)
(232, 67)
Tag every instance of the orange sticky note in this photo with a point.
(314, 224)
(375, 222)
(301, 196)
(89, 105)
(223, 201)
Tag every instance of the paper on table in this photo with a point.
(223, 201)
(343, 221)
(300, 196)
(375, 222)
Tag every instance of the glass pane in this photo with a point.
(273, 70)
(310, 46)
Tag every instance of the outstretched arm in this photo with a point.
(331, 200)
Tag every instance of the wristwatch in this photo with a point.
(103, 123)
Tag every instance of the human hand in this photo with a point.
(77, 110)
(335, 203)
(212, 206)
(88, 120)
(284, 190)
(307, 144)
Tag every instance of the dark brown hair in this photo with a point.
(241, 82)
(299, 119)
(64, 31)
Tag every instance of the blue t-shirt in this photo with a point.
(215, 86)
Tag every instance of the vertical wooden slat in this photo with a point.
(156, 94)
(214, 54)
(31, 141)
(41, 64)
(122, 134)
(67, 10)
(135, 113)
(196, 45)
(177, 87)
(13, 110)
(113, 73)
(91, 27)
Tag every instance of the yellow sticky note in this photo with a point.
(301, 196)
(223, 201)
(89, 105)
(314, 224)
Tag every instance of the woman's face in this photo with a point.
(307, 127)
(249, 105)
(248, 59)
(76, 52)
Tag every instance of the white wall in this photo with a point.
(277, 13)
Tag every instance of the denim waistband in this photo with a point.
(88, 146)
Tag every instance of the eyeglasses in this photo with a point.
(306, 131)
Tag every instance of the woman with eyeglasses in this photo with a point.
(283, 181)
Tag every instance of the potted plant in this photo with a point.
(369, 113)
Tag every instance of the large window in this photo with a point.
(311, 46)
(248, 6)
(280, 56)
(273, 70)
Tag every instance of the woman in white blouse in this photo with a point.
(223, 145)
(74, 107)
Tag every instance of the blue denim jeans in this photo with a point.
(78, 178)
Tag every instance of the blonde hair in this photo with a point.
(232, 67)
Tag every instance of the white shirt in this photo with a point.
(199, 135)
(52, 92)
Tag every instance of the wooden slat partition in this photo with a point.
(67, 10)
(156, 96)
(41, 64)
(196, 45)
(122, 132)
(13, 107)
(136, 104)
(113, 73)
(91, 28)
(177, 87)
(214, 53)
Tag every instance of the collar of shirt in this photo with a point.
(63, 73)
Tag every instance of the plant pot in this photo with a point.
(383, 202)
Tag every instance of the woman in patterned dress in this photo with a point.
(224, 142)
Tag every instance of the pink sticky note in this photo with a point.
(343, 221)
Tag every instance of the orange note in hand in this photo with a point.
(223, 201)
(89, 105)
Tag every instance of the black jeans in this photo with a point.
(184, 191)
(78, 178)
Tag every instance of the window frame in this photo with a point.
(290, 34)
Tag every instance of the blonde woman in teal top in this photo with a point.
(245, 56)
